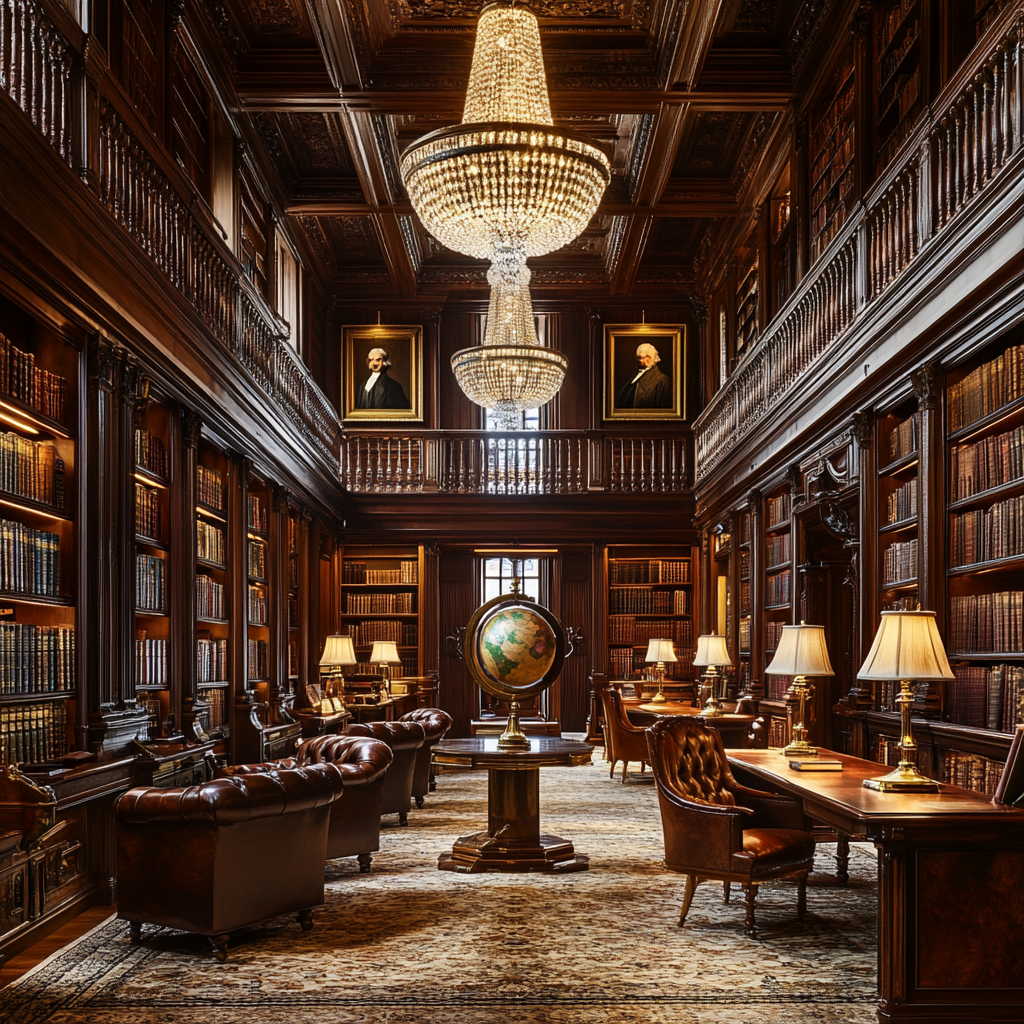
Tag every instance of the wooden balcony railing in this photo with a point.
(968, 138)
(517, 463)
(154, 205)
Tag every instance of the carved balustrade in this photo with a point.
(963, 142)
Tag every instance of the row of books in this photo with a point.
(31, 469)
(776, 688)
(627, 629)
(151, 660)
(778, 548)
(210, 598)
(987, 697)
(257, 514)
(889, 26)
(832, 117)
(381, 604)
(745, 634)
(901, 504)
(772, 634)
(987, 534)
(216, 716)
(29, 560)
(986, 389)
(149, 583)
(649, 570)
(987, 622)
(778, 728)
(903, 439)
(988, 463)
(777, 588)
(891, 61)
(745, 597)
(22, 379)
(293, 613)
(899, 562)
(257, 559)
(150, 453)
(625, 663)
(832, 163)
(901, 602)
(971, 771)
(257, 659)
(36, 659)
(778, 510)
(211, 660)
(147, 511)
(34, 732)
(210, 487)
(257, 605)
(643, 601)
(210, 543)
(371, 630)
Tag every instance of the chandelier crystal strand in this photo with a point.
(502, 186)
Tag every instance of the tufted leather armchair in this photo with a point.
(228, 853)
(716, 828)
(435, 724)
(404, 739)
(355, 818)
(623, 741)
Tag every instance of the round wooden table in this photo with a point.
(513, 840)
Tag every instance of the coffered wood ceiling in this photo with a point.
(687, 97)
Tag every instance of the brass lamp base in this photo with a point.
(905, 779)
(513, 738)
(711, 708)
(800, 748)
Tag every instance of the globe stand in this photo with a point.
(513, 738)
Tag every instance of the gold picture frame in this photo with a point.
(659, 398)
(397, 391)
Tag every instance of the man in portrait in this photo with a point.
(650, 388)
(379, 391)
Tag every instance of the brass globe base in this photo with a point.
(905, 779)
(513, 738)
(799, 748)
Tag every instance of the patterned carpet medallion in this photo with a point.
(408, 943)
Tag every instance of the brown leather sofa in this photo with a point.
(623, 741)
(436, 724)
(716, 828)
(228, 853)
(404, 739)
(355, 818)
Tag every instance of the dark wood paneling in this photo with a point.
(576, 608)
(457, 693)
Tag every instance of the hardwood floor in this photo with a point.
(23, 962)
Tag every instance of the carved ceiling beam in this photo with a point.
(696, 37)
(334, 37)
(394, 246)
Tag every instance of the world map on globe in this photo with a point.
(516, 646)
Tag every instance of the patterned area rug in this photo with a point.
(408, 943)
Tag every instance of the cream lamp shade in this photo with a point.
(384, 653)
(801, 652)
(907, 646)
(712, 650)
(660, 650)
(338, 650)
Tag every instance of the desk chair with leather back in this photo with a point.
(623, 741)
(717, 829)
(436, 724)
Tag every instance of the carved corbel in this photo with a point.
(191, 425)
(755, 502)
(860, 23)
(925, 380)
(794, 480)
(174, 11)
(699, 305)
(103, 363)
(862, 428)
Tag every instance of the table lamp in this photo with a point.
(712, 651)
(338, 652)
(385, 654)
(658, 652)
(801, 653)
(907, 647)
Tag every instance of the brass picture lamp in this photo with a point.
(385, 654)
(658, 652)
(907, 647)
(712, 652)
(801, 653)
(338, 652)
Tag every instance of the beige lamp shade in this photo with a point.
(907, 646)
(801, 652)
(712, 650)
(384, 653)
(660, 650)
(338, 650)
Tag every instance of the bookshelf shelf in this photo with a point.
(39, 508)
(1012, 563)
(1007, 415)
(147, 476)
(151, 542)
(780, 527)
(907, 584)
(19, 597)
(988, 497)
(778, 607)
(905, 464)
(207, 564)
(219, 684)
(900, 527)
(32, 698)
(211, 513)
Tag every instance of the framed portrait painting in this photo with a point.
(644, 372)
(382, 372)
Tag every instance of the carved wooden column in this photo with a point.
(430, 624)
(866, 592)
(194, 712)
(755, 530)
(277, 599)
(799, 197)
(699, 304)
(931, 535)
(238, 576)
(306, 656)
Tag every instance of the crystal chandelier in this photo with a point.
(504, 185)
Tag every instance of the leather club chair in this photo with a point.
(355, 818)
(436, 724)
(716, 828)
(225, 854)
(404, 739)
(623, 741)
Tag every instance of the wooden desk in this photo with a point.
(950, 888)
(733, 727)
(513, 840)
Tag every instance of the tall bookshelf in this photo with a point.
(898, 458)
(832, 175)
(650, 595)
(381, 599)
(257, 589)
(296, 669)
(900, 26)
(745, 600)
(746, 305)
(39, 662)
(778, 584)
(155, 477)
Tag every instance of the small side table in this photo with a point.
(513, 840)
